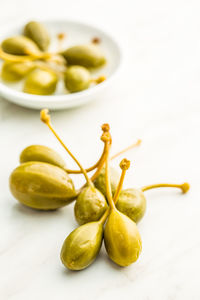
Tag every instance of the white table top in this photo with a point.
(157, 99)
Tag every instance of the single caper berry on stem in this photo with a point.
(20, 45)
(89, 56)
(13, 72)
(121, 236)
(38, 33)
(82, 246)
(43, 154)
(77, 78)
(132, 202)
(41, 82)
(91, 203)
(41, 186)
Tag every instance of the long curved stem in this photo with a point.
(102, 158)
(126, 149)
(184, 187)
(108, 184)
(100, 167)
(45, 117)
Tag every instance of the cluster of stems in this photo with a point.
(105, 138)
(104, 161)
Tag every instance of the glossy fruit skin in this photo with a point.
(90, 205)
(76, 79)
(89, 56)
(122, 239)
(41, 82)
(13, 72)
(132, 203)
(41, 186)
(19, 45)
(82, 246)
(99, 182)
(43, 154)
(38, 33)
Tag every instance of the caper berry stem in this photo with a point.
(108, 184)
(98, 79)
(126, 149)
(54, 57)
(101, 164)
(104, 217)
(45, 117)
(16, 58)
(124, 165)
(184, 187)
(39, 55)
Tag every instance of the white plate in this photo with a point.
(76, 33)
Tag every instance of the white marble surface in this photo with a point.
(157, 98)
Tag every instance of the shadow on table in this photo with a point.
(19, 210)
(11, 109)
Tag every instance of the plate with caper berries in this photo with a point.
(56, 64)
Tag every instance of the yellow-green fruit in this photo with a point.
(82, 246)
(77, 78)
(100, 181)
(13, 72)
(43, 154)
(90, 205)
(132, 203)
(41, 186)
(20, 45)
(122, 239)
(41, 82)
(38, 33)
(89, 56)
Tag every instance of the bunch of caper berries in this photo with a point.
(102, 208)
(26, 57)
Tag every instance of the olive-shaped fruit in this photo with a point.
(77, 78)
(82, 246)
(13, 72)
(41, 82)
(89, 56)
(132, 203)
(20, 45)
(41, 186)
(43, 154)
(99, 182)
(122, 239)
(90, 205)
(38, 33)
